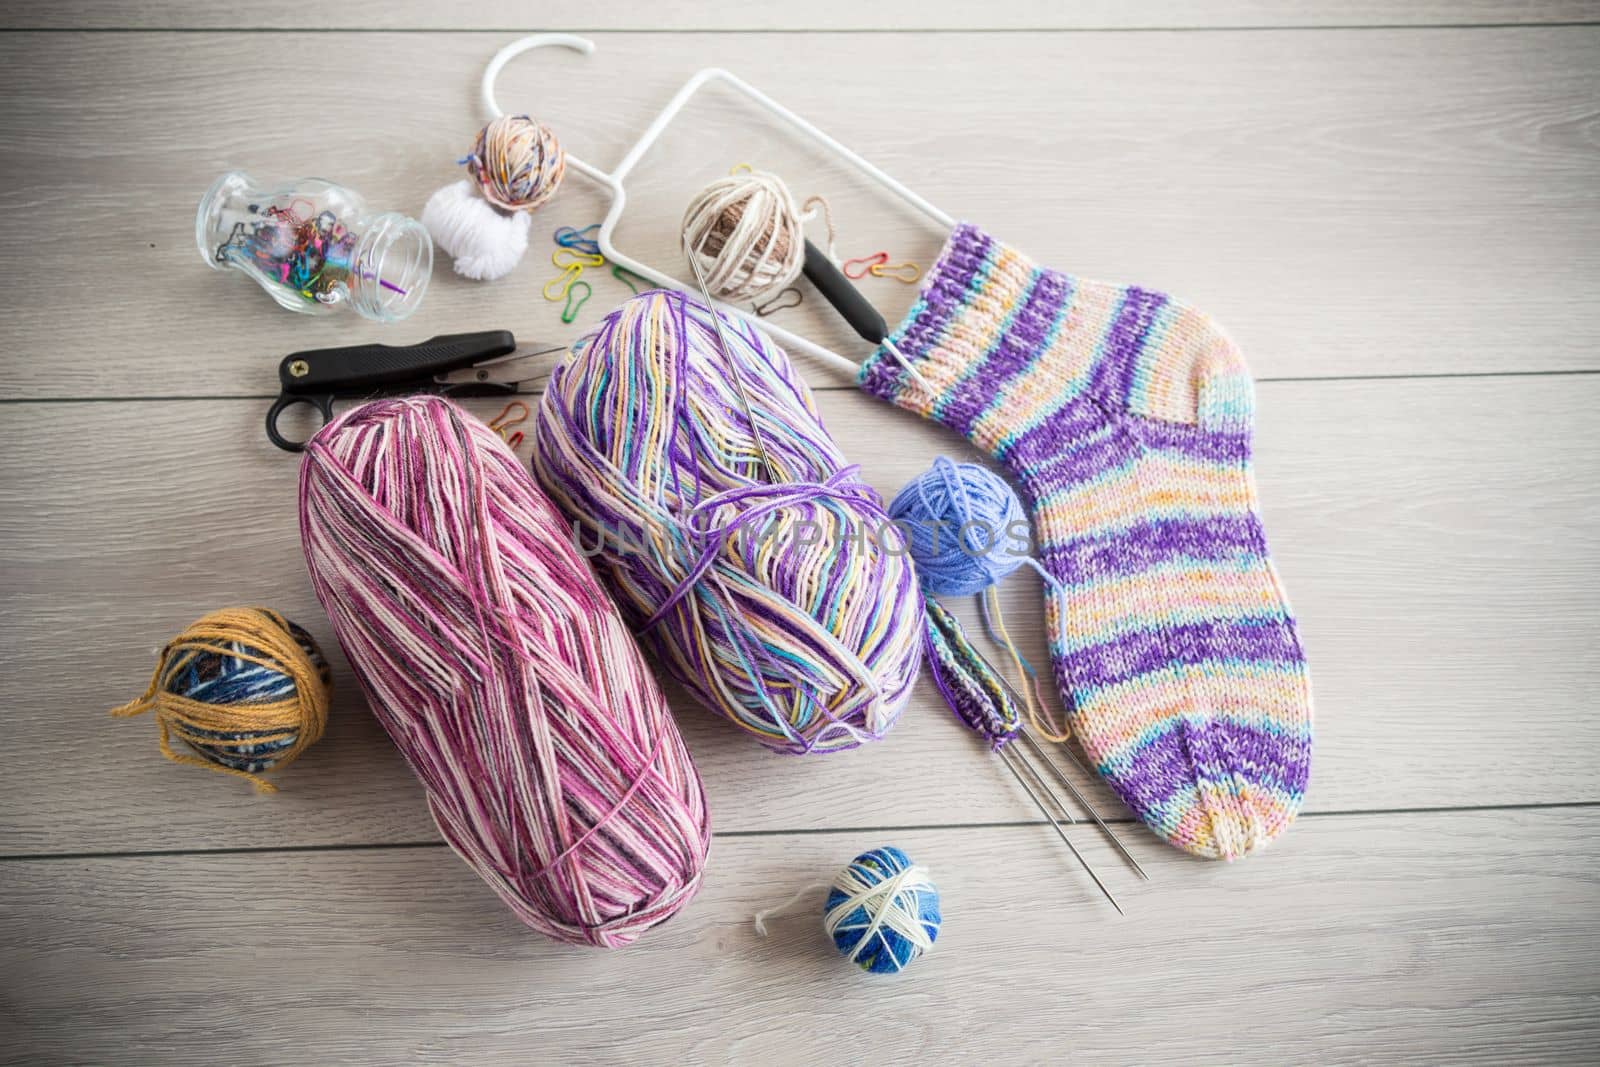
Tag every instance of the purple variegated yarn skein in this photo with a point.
(779, 597)
(506, 677)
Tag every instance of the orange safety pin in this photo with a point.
(513, 414)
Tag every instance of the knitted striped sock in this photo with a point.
(1126, 417)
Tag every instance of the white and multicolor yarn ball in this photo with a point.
(482, 222)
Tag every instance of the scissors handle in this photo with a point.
(323, 403)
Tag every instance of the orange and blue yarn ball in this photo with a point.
(244, 689)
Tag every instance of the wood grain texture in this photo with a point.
(839, 15)
(1461, 937)
(1438, 549)
(1347, 202)
(1351, 203)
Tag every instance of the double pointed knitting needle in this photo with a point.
(727, 355)
(1082, 800)
(1055, 824)
(1055, 769)
(983, 701)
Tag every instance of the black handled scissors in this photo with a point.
(457, 364)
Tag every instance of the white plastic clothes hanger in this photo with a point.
(613, 180)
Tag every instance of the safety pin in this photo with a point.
(505, 420)
(582, 259)
(856, 273)
(907, 272)
(570, 312)
(622, 274)
(772, 305)
(562, 283)
(568, 237)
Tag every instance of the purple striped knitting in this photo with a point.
(1126, 417)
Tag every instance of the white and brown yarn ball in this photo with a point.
(746, 231)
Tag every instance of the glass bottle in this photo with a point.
(314, 246)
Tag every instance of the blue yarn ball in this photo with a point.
(883, 911)
(967, 529)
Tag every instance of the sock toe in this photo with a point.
(1220, 784)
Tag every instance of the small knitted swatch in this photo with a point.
(1126, 417)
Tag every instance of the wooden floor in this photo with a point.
(1394, 207)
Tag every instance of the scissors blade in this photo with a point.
(522, 365)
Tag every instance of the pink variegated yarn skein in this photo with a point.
(501, 670)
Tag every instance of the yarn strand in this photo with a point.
(1027, 679)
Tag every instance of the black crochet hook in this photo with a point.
(845, 298)
(854, 308)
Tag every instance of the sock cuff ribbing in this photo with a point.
(992, 330)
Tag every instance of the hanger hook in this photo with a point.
(515, 49)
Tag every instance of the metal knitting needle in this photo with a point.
(1055, 824)
(1000, 724)
(1055, 769)
(1033, 772)
(727, 355)
(1082, 800)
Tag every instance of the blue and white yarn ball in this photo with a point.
(883, 911)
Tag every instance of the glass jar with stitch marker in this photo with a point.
(315, 246)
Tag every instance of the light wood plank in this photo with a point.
(1442, 568)
(1373, 202)
(681, 15)
(1464, 937)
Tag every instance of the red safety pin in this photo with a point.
(855, 273)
